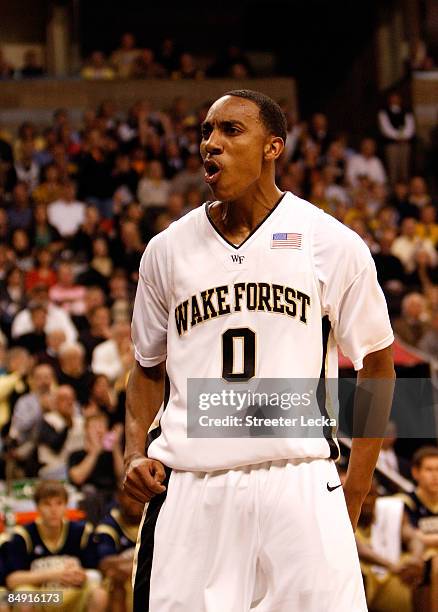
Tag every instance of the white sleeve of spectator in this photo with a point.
(409, 127)
(386, 128)
(150, 316)
(381, 174)
(350, 293)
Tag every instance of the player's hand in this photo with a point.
(72, 576)
(411, 571)
(143, 478)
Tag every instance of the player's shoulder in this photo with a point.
(410, 500)
(107, 520)
(327, 232)
(25, 533)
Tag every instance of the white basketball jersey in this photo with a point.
(196, 288)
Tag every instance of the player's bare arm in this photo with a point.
(144, 395)
(377, 366)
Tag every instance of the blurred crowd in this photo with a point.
(130, 61)
(169, 59)
(79, 203)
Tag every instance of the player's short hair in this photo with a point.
(49, 488)
(271, 114)
(423, 453)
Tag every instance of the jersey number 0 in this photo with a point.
(238, 354)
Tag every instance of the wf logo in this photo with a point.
(237, 258)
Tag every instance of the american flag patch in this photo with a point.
(286, 241)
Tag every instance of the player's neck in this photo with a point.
(248, 211)
(51, 533)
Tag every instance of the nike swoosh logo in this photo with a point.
(330, 489)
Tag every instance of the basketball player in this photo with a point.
(51, 554)
(246, 524)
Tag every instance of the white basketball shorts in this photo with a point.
(270, 537)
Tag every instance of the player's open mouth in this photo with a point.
(212, 171)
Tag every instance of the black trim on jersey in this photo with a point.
(207, 206)
(142, 582)
(145, 554)
(321, 394)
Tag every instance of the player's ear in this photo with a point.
(273, 148)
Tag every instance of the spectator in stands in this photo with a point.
(412, 324)
(13, 382)
(82, 241)
(94, 297)
(429, 341)
(116, 536)
(174, 211)
(20, 212)
(192, 177)
(421, 512)
(26, 166)
(67, 214)
(66, 293)
(31, 68)
(54, 553)
(174, 162)
(42, 233)
(390, 578)
(101, 265)
(119, 297)
(22, 249)
(50, 186)
(418, 192)
(153, 188)
(60, 434)
(55, 339)
(124, 177)
(103, 400)
(366, 163)
(57, 318)
(43, 271)
(223, 66)
(128, 249)
(319, 131)
(409, 244)
(397, 129)
(35, 340)
(73, 370)
(27, 417)
(12, 298)
(97, 68)
(108, 357)
(6, 69)
(388, 458)
(400, 200)
(428, 227)
(98, 332)
(419, 56)
(187, 68)
(98, 466)
(27, 136)
(95, 167)
(336, 158)
(145, 66)
(124, 57)
(168, 55)
(390, 271)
